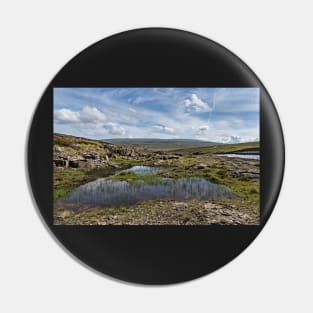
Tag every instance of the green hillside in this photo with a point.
(222, 148)
(160, 144)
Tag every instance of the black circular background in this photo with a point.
(154, 57)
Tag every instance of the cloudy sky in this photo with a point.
(225, 115)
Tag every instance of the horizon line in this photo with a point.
(154, 138)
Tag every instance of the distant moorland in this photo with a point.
(160, 144)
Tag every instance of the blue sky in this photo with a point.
(227, 115)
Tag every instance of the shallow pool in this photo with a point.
(107, 193)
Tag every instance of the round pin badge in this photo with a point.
(155, 156)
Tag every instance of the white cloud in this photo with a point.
(86, 115)
(232, 139)
(139, 100)
(195, 104)
(66, 116)
(114, 129)
(132, 110)
(158, 113)
(163, 129)
(92, 115)
(89, 119)
(237, 139)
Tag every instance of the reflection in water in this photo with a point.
(243, 156)
(108, 193)
(141, 170)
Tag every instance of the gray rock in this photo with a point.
(200, 166)
(59, 163)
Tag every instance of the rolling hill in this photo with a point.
(160, 144)
(223, 148)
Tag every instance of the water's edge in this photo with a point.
(106, 192)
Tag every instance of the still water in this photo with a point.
(107, 193)
(243, 156)
(141, 170)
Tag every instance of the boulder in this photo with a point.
(200, 166)
(58, 149)
(59, 163)
(73, 164)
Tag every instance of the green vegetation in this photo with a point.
(218, 172)
(160, 144)
(74, 146)
(125, 162)
(66, 180)
(241, 176)
(134, 178)
(227, 148)
(75, 142)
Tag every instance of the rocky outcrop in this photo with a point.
(72, 152)
(82, 162)
(250, 174)
(90, 159)
(64, 158)
(60, 163)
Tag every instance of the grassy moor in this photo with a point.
(154, 169)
